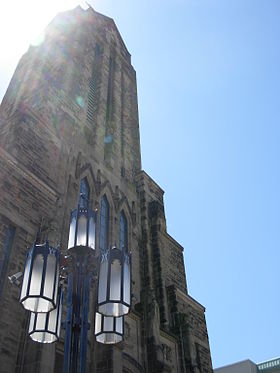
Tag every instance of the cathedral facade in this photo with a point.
(69, 120)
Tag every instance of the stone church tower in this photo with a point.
(70, 116)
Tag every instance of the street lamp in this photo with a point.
(82, 228)
(40, 279)
(114, 295)
(108, 329)
(42, 292)
(44, 327)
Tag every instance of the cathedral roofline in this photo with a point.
(110, 20)
(147, 176)
(107, 19)
(190, 299)
(174, 241)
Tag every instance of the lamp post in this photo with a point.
(42, 294)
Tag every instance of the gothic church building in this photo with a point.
(69, 120)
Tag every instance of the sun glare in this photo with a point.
(22, 23)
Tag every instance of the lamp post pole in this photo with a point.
(76, 325)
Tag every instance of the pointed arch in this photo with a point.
(124, 205)
(106, 188)
(125, 211)
(87, 171)
(92, 188)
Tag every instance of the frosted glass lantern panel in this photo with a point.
(41, 321)
(111, 309)
(82, 231)
(72, 230)
(126, 279)
(31, 322)
(108, 324)
(109, 338)
(59, 319)
(43, 337)
(98, 319)
(37, 305)
(37, 272)
(43, 327)
(50, 276)
(115, 283)
(102, 287)
(119, 325)
(123, 310)
(91, 234)
(52, 320)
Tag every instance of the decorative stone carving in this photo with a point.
(127, 331)
(117, 193)
(166, 352)
(78, 166)
(98, 182)
(127, 336)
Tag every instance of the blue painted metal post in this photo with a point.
(76, 326)
(68, 327)
(78, 272)
(84, 323)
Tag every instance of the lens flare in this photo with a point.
(108, 139)
(80, 101)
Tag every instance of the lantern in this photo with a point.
(40, 280)
(108, 330)
(82, 228)
(45, 327)
(114, 287)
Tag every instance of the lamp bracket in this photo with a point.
(16, 279)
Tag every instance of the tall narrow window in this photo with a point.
(123, 232)
(6, 256)
(104, 224)
(122, 113)
(93, 86)
(110, 90)
(84, 193)
(91, 100)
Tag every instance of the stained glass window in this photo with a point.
(84, 193)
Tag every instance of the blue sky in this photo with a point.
(208, 76)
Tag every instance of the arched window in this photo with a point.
(84, 193)
(123, 232)
(104, 224)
